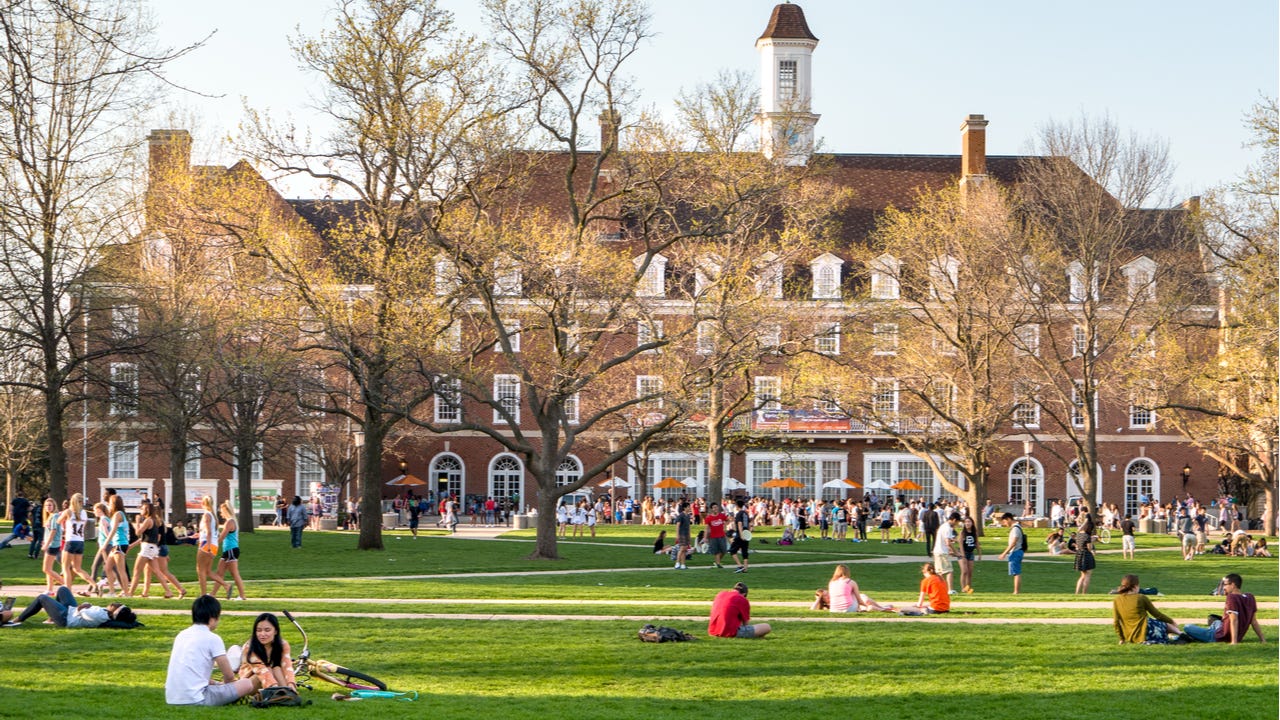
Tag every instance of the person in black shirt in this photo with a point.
(739, 549)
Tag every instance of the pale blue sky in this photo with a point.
(890, 76)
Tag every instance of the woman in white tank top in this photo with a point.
(73, 521)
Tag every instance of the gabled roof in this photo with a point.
(787, 21)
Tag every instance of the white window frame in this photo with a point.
(192, 467)
(826, 338)
(650, 385)
(448, 400)
(1133, 482)
(1075, 282)
(772, 465)
(255, 469)
(1028, 340)
(887, 466)
(705, 343)
(308, 469)
(653, 283)
(769, 280)
(124, 321)
(826, 277)
(513, 328)
(788, 78)
(1031, 478)
(767, 392)
(944, 277)
(648, 331)
(1079, 340)
(884, 339)
(1026, 411)
(446, 276)
(881, 390)
(123, 393)
(1142, 417)
(1077, 403)
(510, 400)
(508, 279)
(771, 337)
(122, 459)
(884, 278)
(572, 409)
(1140, 279)
(450, 338)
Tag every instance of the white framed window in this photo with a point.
(448, 399)
(649, 389)
(706, 340)
(124, 321)
(1142, 343)
(1027, 340)
(941, 343)
(506, 393)
(786, 79)
(1079, 340)
(768, 392)
(191, 469)
(1078, 402)
(1026, 411)
(884, 396)
(569, 471)
(884, 278)
(1140, 279)
(944, 277)
(771, 337)
(826, 338)
(647, 332)
(653, 283)
(884, 339)
(1026, 483)
(450, 339)
(1141, 477)
(513, 328)
(448, 468)
(811, 469)
(308, 469)
(706, 273)
(942, 396)
(446, 276)
(769, 280)
(506, 473)
(255, 468)
(826, 277)
(571, 409)
(828, 405)
(1076, 282)
(124, 389)
(507, 278)
(892, 468)
(1140, 413)
(122, 459)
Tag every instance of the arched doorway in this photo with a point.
(506, 475)
(1141, 478)
(1026, 484)
(449, 466)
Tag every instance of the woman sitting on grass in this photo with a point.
(841, 593)
(1136, 618)
(1054, 542)
(266, 655)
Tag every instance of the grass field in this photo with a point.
(1046, 662)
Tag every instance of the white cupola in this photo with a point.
(785, 121)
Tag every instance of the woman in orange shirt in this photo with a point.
(934, 596)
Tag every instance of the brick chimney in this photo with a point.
(170, 152)
(973, 150)
(609, 122)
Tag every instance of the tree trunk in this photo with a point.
(1269, 508)
(57, 448)
(715, 461)
(545, 547)
(9, 488)
(371, 483)
(975, 497)
(178, 478)
(244, 484)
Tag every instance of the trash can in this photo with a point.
(389, 520)
(328, 523)
(1144, 526)
(521, 521)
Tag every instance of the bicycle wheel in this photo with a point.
(1105, 535)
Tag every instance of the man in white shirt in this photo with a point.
(64, 611)
(195, 651)
(944, 548)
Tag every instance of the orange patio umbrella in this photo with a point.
(783, 483)
(905, 485)
(410, 480)
(670, 484)
(852, 483)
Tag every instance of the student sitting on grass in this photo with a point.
(195, 651)
(934, 597)
(1136, 619)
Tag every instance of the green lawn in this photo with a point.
(597, 669)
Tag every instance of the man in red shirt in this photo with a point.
(934, 596)
(1240, 613)
(730, 612)
(717, 542)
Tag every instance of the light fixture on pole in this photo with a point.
(1026, 472)
(1186, 476)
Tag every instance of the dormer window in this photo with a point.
(707, 273)
(884, 278)
(653, 283)
(826, 277)
(944, 277)
(1077, 282)
(1140, 279)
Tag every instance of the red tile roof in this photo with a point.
(787, 21)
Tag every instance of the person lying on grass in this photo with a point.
(64, 611)
(934, 596)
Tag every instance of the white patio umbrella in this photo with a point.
(732, 484)
(879, 485)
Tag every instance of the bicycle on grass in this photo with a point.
(305, 668)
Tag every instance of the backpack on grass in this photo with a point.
(278, 696)
(661, 634)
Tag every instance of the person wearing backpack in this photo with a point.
(1016, 549)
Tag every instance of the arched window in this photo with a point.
(505, 474)
(1141, 478)
(1026, 484)
(450, 468)
(569, 472)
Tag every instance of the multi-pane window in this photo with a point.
(826, 339)
(569, 471)
(448, 399)
(124, 321)
(1139, 480)
(446, 276)
(769, 283)
(124, 388)
(1026, 411)
(309, 470)
(1140, 413)
(706, 342)
(1143, 343)
(786, 79)
(504, 479)
(122, 459)
(941, 343)
(513, 329)
(884, 278)
(944, 277)
(506, 393)
(647, 332)
(450, 339)
(1140, 278)
(1077, 403)
(941, 395)
(884, 397)
(1077, 281)
(1079, 340)
(652, 283)
(649, 389)
(884, 339)
(1024, 483)
(255, 467)
(826, 282)
(446, 470)
(571, 409)
(1027, 339)
(771, 336)
(507, 278)
(191, 469)
(768, 392)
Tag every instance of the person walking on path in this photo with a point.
(1014, 551)
(1085, 561)
(717, 539)
(740, 549)
(1239, 613)
(297, 518)
(731, 616)
(1129, 543)
(944, 547)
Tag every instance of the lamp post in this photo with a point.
(357, 439)
(1026, 472)
(1186, 476)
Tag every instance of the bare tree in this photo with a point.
(75, 77)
